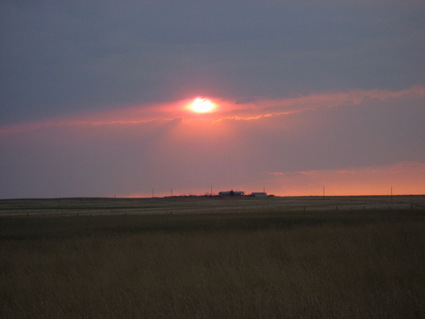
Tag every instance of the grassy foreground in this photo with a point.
(326, 264)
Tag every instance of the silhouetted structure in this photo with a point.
(231, 193)
(259, 194)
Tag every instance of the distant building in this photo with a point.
(231, 193)
(259, 194)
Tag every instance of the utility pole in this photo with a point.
(323, 191)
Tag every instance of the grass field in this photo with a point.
(206, 258)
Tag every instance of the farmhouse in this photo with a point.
(259, 194)
(231, 193)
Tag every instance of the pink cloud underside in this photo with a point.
(227, 110)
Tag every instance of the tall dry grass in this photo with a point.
(371, 269)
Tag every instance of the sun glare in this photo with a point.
(201, 105)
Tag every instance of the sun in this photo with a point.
(202, 105)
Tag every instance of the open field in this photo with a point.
(202, 204)
(354, 257)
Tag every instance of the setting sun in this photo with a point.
(201, 105)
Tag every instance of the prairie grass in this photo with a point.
(277, 265)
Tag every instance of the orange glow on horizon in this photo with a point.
(400, 178)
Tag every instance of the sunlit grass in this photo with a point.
(328, 265)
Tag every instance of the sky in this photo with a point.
(96, 96)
